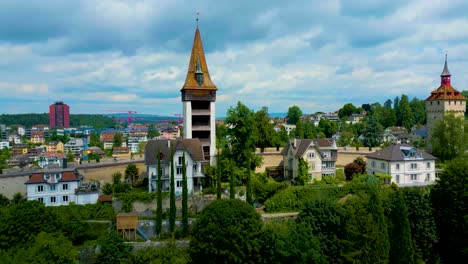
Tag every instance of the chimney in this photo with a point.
(168, 143)
(294, 143)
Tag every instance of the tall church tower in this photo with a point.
(443, 100)
(198, 97)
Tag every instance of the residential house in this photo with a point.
(37, 137)
(48, 158)
(395, 135)
(355, 118)
(21, 130)
(14, 138)
(60, 187)
(194, 159)
(169, 132)
(121, 152)
(405, 164)
(55, 146)
(321, 155)
(4, 144)
(288, 127)
(74, 145)
(107, 139)
(20, 149)
(418, 133)
(134, 140)
(96, 150)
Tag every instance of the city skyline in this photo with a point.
(317, 55)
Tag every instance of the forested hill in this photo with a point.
(97, 121)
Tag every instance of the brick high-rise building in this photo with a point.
(59, 115)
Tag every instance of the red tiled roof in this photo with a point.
(39, 177)
(105, 198)
(445, 92)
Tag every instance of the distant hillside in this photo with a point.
(144, 118)
(28, 120)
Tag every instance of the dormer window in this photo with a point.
(199, 73)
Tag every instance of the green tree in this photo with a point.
(4, 201)
(299, 130)
(347, 110)
(242, 133)
(418, 109)
(248, 187)
(142, 146)
(325, 219)
(401, 243)
(70, 156)
(294, 114)
(265, 136)
(118, 139)
(329, 128)
(159, 212)
(226, 231)
(372, 131)
(172, 201)
(450, 201)
(95, 141)
(218, 176)
(20, 224)
(303, 176)
(404, 114)
(448, 138)
(113, 250)
(152, 132)
(170, 253)
(48, 248)
(131, 173)
(423, 227)
(185, 224)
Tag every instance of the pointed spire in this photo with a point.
(198, 67)
(445, 72)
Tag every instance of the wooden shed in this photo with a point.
(127, 224)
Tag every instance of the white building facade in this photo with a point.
(194, 159)
(407, 165)
(56, 188)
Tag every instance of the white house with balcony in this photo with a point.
(407, 165)
(320, 154)
(60, 187)
(194, 158)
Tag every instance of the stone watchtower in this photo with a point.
(198, 97)
(442, 101)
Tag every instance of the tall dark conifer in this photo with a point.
(172, 209)
(248, 185)
(401, 244)
(218, 178)
(159, 196)
(185, 226)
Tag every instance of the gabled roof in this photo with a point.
(395, 152)
(197, 58)
(191, 145)
(67, 176)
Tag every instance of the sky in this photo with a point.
(133, 55)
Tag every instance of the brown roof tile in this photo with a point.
(394, 153)
(198, 55)
(445, 92)
(192, 145)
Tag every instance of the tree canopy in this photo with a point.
(226, 231)
(294, 114)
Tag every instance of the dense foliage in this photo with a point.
(450, 200)
(226, 231)
(76, 120)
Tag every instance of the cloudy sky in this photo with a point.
(110, 54)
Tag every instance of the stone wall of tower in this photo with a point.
(187, 115)
(437, 109)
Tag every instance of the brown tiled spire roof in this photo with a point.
(197, 58)
(445, 90)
